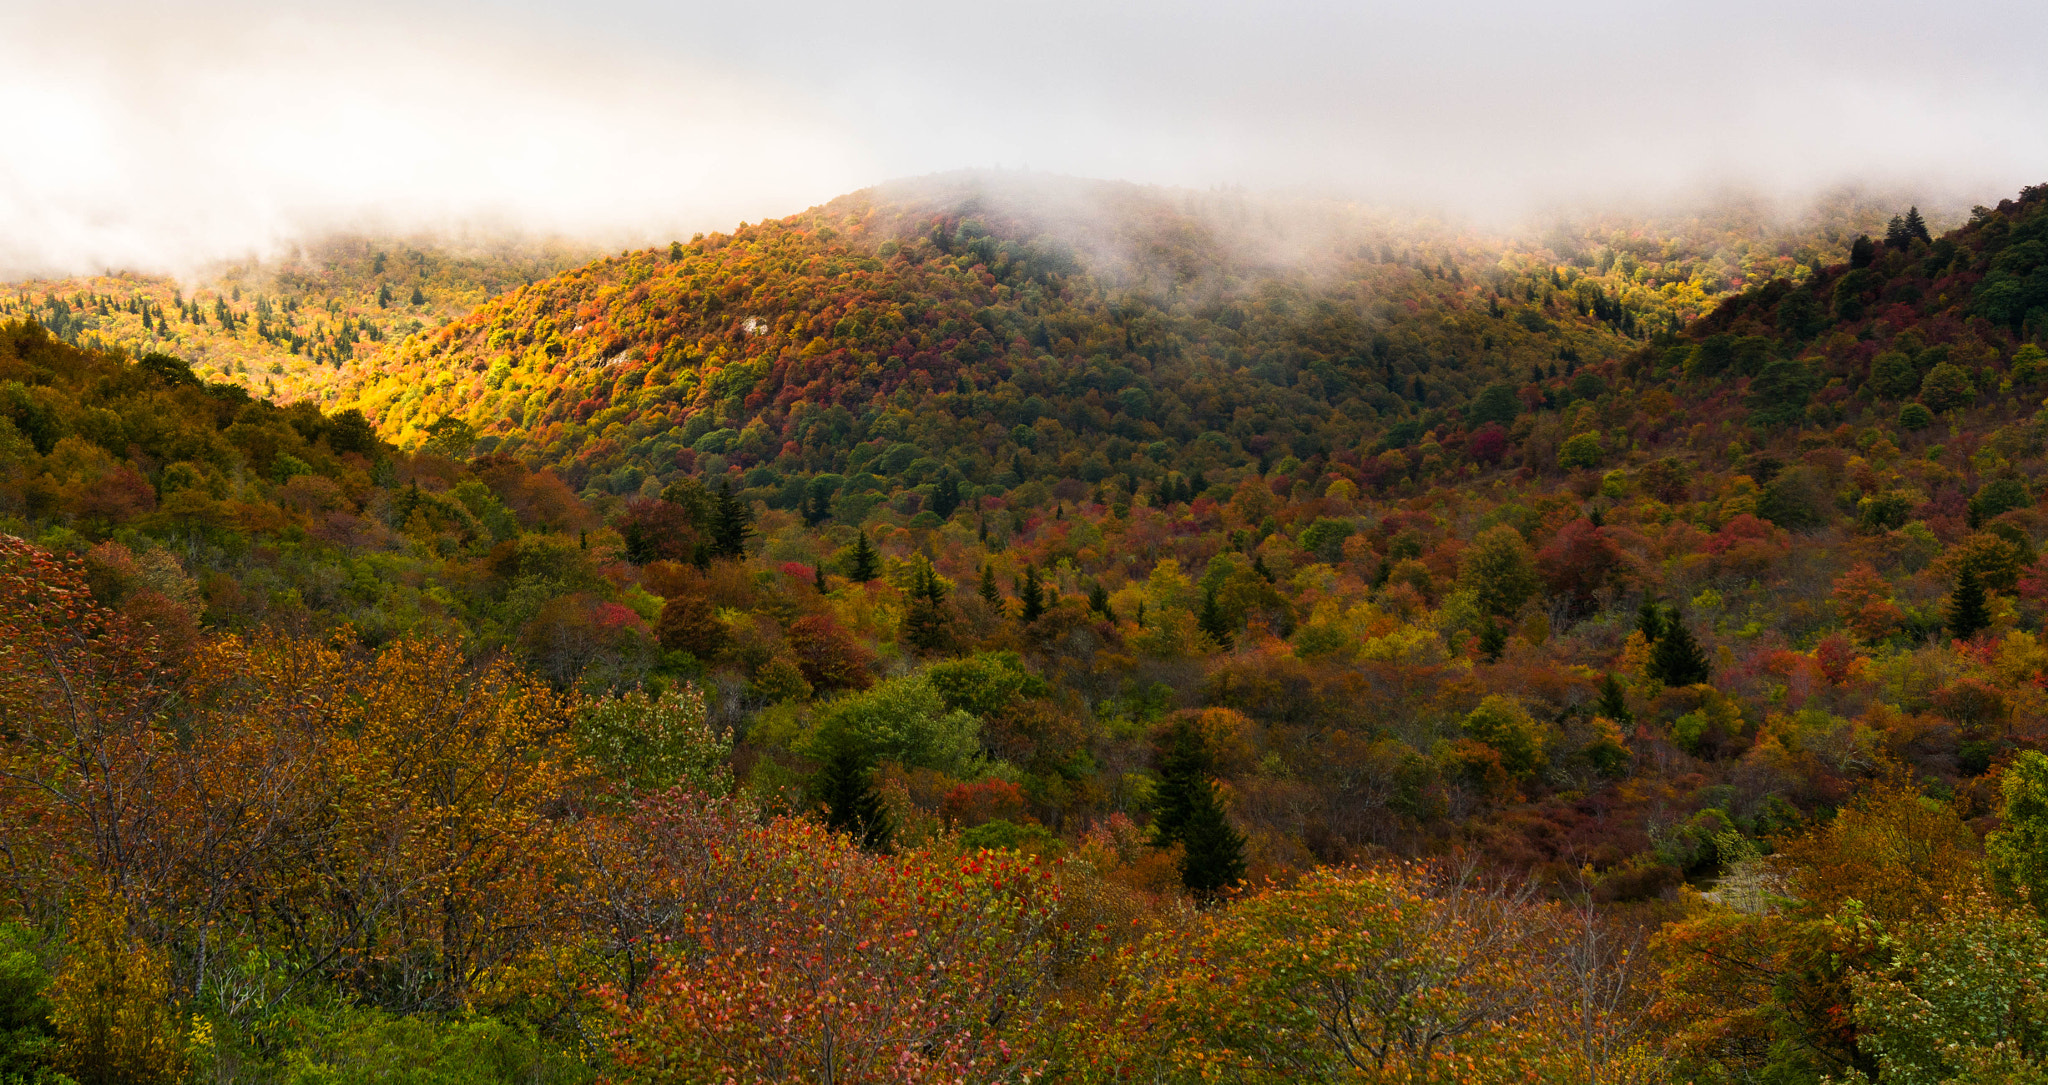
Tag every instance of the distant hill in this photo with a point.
(1004, 328)
(289, 328)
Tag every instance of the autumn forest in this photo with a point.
(1001, 629)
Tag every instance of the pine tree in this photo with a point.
(846, 789)
(1650, 621)
(866, 563)
(1213, 859)
(1493, 639)
(1967, 614)
(1677, 660)
(1098, 601)
(1862, 252)
(818, 577)
(1916, 227)
(990, 594)
(1032, 593)
(1895, 234)
(946, 498)
(731, 524)
(1186, 811)
(1611, 703)
(1212, 620)
(925, 624)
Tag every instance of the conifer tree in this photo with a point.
(1862, 252)
(946, 498)
(1916, 227)
(846, 789)
(1967, 614)
(990, 594)
(1186, 811)
(866, 563)
(1677, 660)
(731, 524)
(1611, 703)
(1032, 593)
(1895, 234)
(1098, 601)
(1650, 621)
(818, 577)
(1493, 639)
(1212, 621)
(924, 618)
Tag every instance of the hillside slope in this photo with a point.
(293, 327)
(1003, 330)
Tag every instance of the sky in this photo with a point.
(159, 136)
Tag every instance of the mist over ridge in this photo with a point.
(166, 141)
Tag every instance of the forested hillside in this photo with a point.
(1005, 333)
(1074, 641)
(291, 327)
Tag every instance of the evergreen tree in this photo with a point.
(1677, 660)
(925, 624)
(1916, 227)
(1611, 703)
(846, 789)
(1967, 614)
(867, 564)
(1098, 601)
(1650, 621)
(816, 505)
(1033, 595)
(946, 498)
(1212, 621)
(1896, 236)
(1493, 639)
(818, 577)
(1187, 811)
(990, 594)
(1862, 252)
(731, 523)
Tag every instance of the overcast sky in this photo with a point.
(160, 135)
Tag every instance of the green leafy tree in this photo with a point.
(1893, 375)
(653, 743)
(1499, 570)
(2018, 850)
(1947, 387)
(1956, 999)
(1997, 497)
(1581, 450)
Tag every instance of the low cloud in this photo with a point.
(153, 138)
(145, 140)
